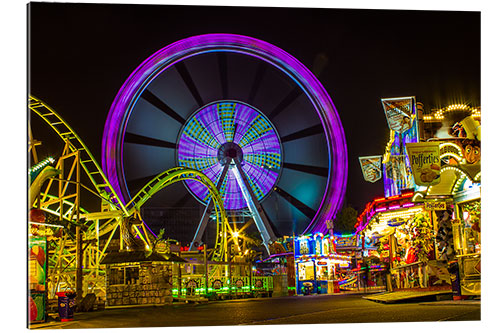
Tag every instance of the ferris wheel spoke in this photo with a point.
(188, 80)
(148, 96)
(285, 102)
(222, 62)
(259, 76)
(314, 170)
(302, 207)
(310, 131)
(144, 140)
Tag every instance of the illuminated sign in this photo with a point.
(396, 164)
(425, 162)
(347, 241)
(304, 246)
(397, 221)
(399, 112)
(326, 246)
(371, 166)
(318, 246)
(435, 205)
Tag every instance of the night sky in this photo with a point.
(80, 55)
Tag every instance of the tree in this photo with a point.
(345, 220)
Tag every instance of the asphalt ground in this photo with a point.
(313, 309)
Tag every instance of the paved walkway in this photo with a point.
(101, 318)
(416, 296)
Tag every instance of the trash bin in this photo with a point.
(66, 305)
(307, 288)
(336, 288)
(323, 287)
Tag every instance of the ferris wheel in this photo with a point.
(244, 112)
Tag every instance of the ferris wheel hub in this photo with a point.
(228, 152)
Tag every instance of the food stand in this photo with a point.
(404, 237)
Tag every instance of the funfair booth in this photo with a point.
(457, 197)
(402, 233)
(396, 226)
(317, 264)
(429, 234)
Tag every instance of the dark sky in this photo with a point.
(80, 55)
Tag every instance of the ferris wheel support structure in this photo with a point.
(260, 218)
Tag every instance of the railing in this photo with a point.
(410, 276)
(195, 285)
(470, 273)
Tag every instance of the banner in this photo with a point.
(371, 166)
(399, 112)
(37, 271)
(425, 162)
(37, 268)
(36, 306)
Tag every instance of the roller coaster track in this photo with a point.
(174, 175)
(88, 162)
(107, 193)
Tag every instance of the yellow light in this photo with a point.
(451, 144)
(236, 234)
(457, 157)
(405, 214)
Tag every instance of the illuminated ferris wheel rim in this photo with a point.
(168, 56)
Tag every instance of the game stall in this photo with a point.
(319, 267)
